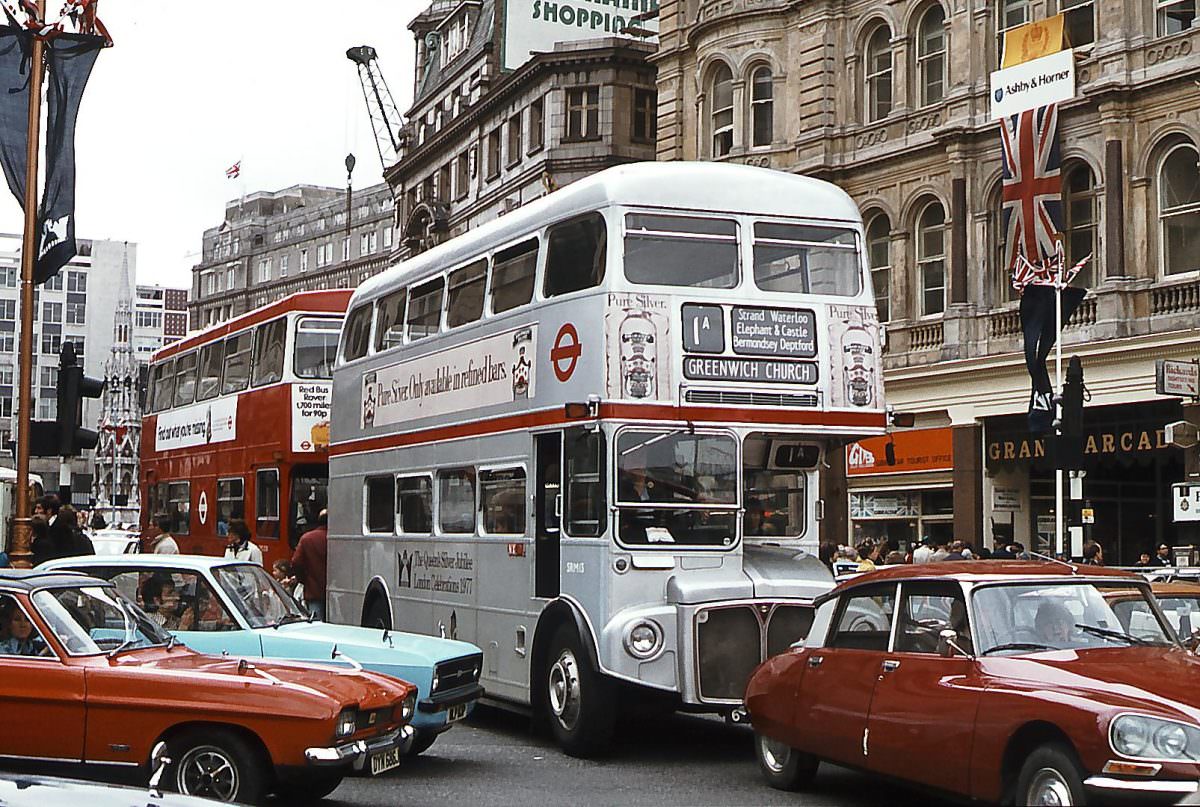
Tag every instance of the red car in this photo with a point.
(88, 677)
(993, 680)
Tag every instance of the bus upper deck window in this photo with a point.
(357, 333)
(237, 363)
(575, 254)
(803, 259)
(209, 384)
(464, 303)
(389, 324)
(268, 352)
(164, 385)
(513, 272)
(316, 345)
(425, 309)
(152, 388)
(681, 251)
(185, 379)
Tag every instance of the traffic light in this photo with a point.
(73, 387)
(1072, 399)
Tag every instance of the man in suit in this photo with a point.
(60, 536)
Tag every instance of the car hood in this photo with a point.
(1154, 679)
(367, 689)
(369, 646)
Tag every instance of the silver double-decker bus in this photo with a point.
(588, 436)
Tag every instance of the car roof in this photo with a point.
(29, 580)
(985, 571)
(148, 560)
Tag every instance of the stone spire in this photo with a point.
(119, 447)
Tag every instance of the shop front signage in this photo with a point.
(1185, 500)
(1006, 498)
(1181, 378)
(902, 452)
(1131, 441)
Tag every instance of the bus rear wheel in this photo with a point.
(578, 701)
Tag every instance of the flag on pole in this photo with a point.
(234, 171)
(15, 45)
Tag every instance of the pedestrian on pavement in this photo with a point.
(62, 537)
(924, 552)
(308, 565)
(240, 547)
(827, 551)
(1144, 560)
(941, 551)
(1093, 554)
(956, 552)
(163, 543)
(41, 543)
(80, 543)
(1162, 557)
(894, 557)
(1001, 552)
(868, 554)
(98, 522)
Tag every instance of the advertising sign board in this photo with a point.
(532, 26)
(1172, 377)
(1039, 82)
(1185, 501)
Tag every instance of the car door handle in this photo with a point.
(815, 661)
(890, 664)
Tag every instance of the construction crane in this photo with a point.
(381, 107)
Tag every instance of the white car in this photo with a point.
(116, 542)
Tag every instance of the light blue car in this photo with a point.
(218, 605)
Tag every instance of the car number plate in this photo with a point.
(456, 712)
(385, 761)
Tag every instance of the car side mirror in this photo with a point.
(949, 645)
(158, 764)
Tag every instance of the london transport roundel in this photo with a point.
(566, 351)
(202, 507)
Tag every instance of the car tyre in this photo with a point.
(310, 788)
(782, 766)
(219, 765)
(422, 742)
(578, 702)
(1051, 776)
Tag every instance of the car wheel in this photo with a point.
(782, 766)
(1051, 776)
(377, 615)
(422, 742)
(578, 701)
(217, 765)
(310, 788)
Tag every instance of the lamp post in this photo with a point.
(349, 191)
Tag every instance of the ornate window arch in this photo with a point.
(931, 257)
(762, 106)
(877, 70)
(931, 56)
(879, 239)
(720, 108)
(1179, 208)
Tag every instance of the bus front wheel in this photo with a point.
(377, 615)
(578, 701)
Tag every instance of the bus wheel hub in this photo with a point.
(564, 689)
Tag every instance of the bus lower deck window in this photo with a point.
(502, 501)
(456, 507)
(379, 506)
(414, 505)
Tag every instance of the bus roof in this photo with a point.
(698, 186)
(332, 301)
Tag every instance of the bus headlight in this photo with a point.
(643, 639)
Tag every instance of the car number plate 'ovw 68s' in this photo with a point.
(456, 712)
(385, 761)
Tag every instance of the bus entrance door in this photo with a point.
(547, 510)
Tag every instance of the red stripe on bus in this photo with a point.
(660, 412)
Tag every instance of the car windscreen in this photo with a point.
(93, 619)
(1031, 617)
(255, 593)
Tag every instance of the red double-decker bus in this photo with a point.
(237, 426)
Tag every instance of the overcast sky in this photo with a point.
(191, 88)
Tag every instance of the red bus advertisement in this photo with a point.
(237, 426)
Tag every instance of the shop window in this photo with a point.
(380, 506)
(931, 259)
(502, 501)
(185, 379)
(878, 71)
(425, 309)
(465, 297)
(237, 363)
(720, 107)
(762, 107)
(878, 244)
(1179, 209)
(575, 254)
(179, 507)
(231, 502)
(266, 499)
(389, 325)
(414, 505)
(931, 55)
(513, 270)
(212, 357)
(456, 501)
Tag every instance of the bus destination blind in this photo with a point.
(762, 371)
(787, 332)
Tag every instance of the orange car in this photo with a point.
(88, 677)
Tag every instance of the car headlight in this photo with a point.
(1145, 737)
(407, 708)
(347, 722)
(643, 639)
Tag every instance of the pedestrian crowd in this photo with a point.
(870, 553)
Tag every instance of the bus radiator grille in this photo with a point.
(730, 398)
(788, 625)
(729, 647)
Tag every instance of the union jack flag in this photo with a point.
(1032, 196)
(234, 170)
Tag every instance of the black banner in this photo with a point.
(1038, 323)
(70, 59)
(15, 44)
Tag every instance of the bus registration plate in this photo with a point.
(385, 761)
(456, 712)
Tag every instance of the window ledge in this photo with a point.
(586, 139)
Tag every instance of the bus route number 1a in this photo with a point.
(703, 329)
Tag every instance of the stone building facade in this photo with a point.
(480, 141)
(891, 102)
(275, 243)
